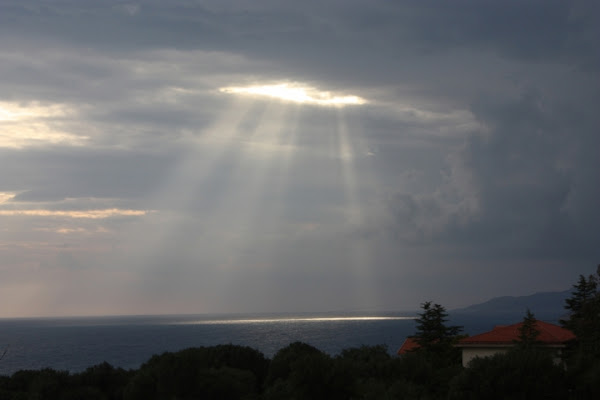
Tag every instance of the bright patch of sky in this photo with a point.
(296, 93)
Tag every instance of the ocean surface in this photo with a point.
(75, 344)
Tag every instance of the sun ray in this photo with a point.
(235, 177)
(184, 185)
(239, 150)
(359, 252)
(201, 158)
(346, 156)
(281, 180)
(257, 161)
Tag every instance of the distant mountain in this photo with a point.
(548, 306)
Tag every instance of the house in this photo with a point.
(502, 338)
(409, 344)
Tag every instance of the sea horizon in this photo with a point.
(275, 315)
(127, 341)
(76, 343)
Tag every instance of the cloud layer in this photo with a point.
(132, 184)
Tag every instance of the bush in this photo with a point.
(107, 381)
(301, 371)
(224, 371)
(44, 384)
(517, 374)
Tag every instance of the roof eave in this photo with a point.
(487, 344)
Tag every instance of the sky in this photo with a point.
(237, 156)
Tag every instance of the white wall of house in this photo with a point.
(469, 353)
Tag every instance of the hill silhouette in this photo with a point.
(547, 306)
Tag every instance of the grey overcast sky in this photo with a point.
(263, 156)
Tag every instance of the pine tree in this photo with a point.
(528, 332)
(584, 318)
(432, 332)
(583, 356)
(584, 293)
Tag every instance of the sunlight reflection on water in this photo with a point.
(299, 319)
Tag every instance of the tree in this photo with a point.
(429, 369)
(584, 293)
(583, 356)
(432, 332)
(301, 371)
(528, 332)
(584, 315)
(223, 372)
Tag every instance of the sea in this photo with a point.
(74, 344)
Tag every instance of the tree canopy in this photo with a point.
(432, 332)
(583, 357)
(528, 332)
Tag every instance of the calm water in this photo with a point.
(77, 343)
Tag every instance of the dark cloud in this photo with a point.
(371, 43)
(526, 169)
(474, 161)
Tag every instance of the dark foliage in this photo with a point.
(370, 371)
(583, 356)
(224, 372)
(41, 384)
(435, 337)
(101, 381)
(301, 371)
(518, 374)
(584, 319)
(433, 334)
(425, 376)
(528, 332)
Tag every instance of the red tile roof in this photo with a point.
(550, 334)
(409, 344)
